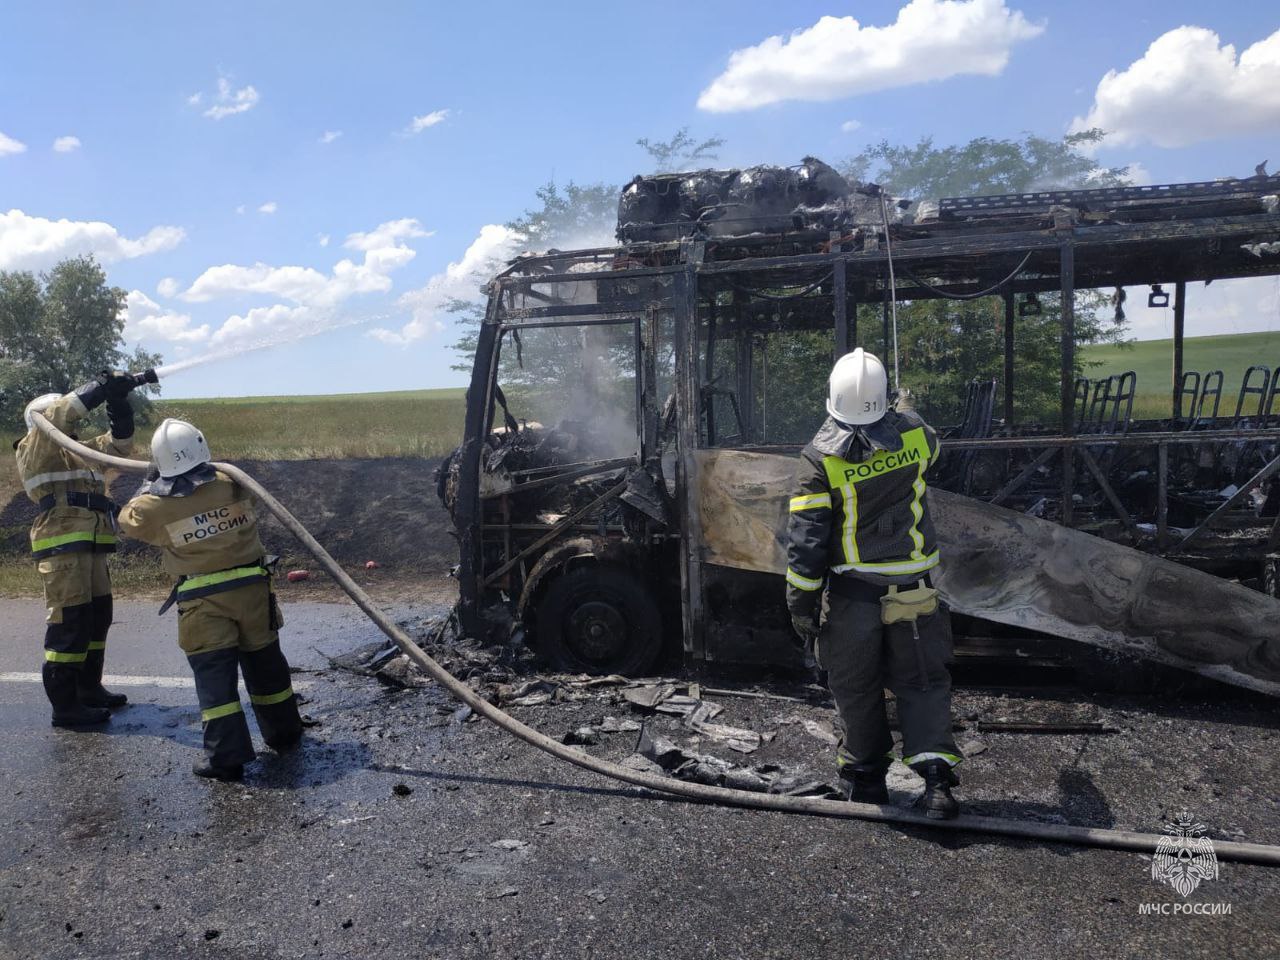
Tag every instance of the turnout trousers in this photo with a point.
(77, 597)
(228, 634)
(862, 656)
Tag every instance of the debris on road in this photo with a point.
(664, 754)
(509, 844)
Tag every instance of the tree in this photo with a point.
(944, 344)
(984, 166)
(59, 330)
(681, 152)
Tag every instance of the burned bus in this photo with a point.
(634, 413)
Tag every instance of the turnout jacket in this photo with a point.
(205, 526)
(75, 511)
(861, 511)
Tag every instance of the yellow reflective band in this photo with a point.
(917, 512)
(49, 543)
(802, 583)
(812, 501)
(850, 493)
(951, 759)
(223, 576)
(97, 644)
(226, 710)
(266, 699)
(53, 656)
(105, 538)
(892, 568)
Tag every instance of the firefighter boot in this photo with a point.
(205, 768)
(937, 801)
(68, 711)
(866, 784)
(92, 692)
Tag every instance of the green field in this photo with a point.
(418, 423)
(1152, 361)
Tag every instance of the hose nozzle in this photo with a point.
(146, 376)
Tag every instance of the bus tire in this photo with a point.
(599, 619)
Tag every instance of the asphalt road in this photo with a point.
(399, 831)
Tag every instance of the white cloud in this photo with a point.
(386, 235)
(418, 124)
(838, 57)
(322, 239)
(269, 207)
(849, 126)
(147, 320)
(240, 208)
(9, 146)
(1189, 87)
(384, 251)
(460, 280)
(229, 102)
(263, 326)
(194, 99)
(168, 287)
(295, 283)
(66, 144)
(330, 135)
(34, 243)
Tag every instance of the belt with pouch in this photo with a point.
(193, 585)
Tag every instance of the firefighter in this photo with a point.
(228, 618)
(860, 528)
(70, 540)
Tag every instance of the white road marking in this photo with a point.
(114, 680)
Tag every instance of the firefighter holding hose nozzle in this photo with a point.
(228, 618)
(860, 528)
(71, 537)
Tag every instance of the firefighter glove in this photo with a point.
(116, 383)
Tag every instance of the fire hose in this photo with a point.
(1258, 853)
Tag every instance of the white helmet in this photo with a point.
(177, 447)
(39, 405)
(858, 389)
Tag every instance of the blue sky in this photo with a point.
(198, 140)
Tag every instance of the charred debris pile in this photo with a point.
(761, 199)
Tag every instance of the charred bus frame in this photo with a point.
(1055, 243)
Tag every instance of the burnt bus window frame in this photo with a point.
(637, 345)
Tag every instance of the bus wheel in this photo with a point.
(599, 619)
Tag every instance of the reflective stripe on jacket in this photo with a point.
(860, 513)
(47, 470)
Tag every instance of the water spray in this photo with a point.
(319, 325)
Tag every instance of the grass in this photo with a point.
(1152, 361)
(419, 423)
